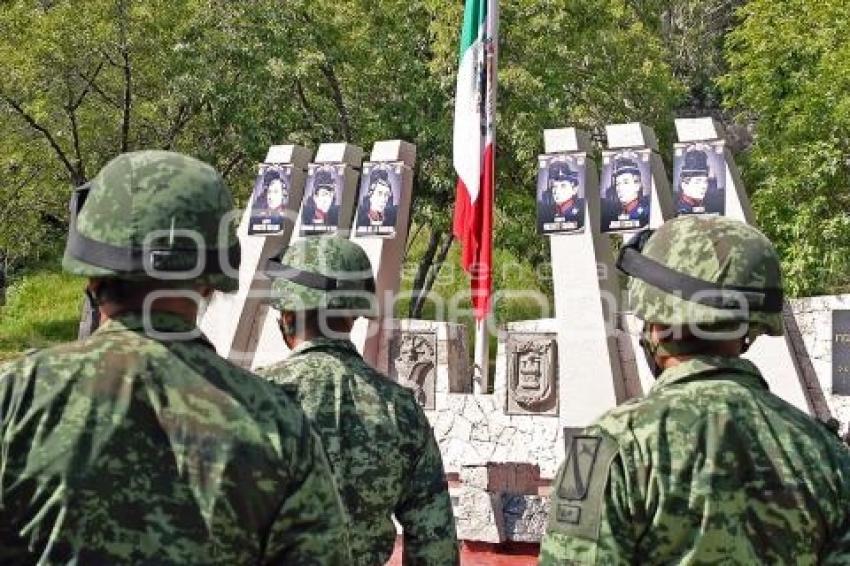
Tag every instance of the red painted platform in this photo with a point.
(483, 554)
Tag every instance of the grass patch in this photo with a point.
(522, 291)
(43, 304)
(42, 308)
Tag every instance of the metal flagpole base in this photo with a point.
(481, 375)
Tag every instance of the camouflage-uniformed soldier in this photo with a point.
(139, 445)
(379, 443)
(710, 467)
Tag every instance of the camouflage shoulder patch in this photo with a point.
(579, 488)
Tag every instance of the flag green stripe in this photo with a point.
(474, 17)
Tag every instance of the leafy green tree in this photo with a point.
(223, 80)
(790, 78)
(85, 81)
(220, 80)
(582, 63)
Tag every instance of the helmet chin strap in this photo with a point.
(203, 305)
(287, 331)
(92, 320)
(650, 349)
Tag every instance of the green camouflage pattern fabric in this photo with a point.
(709, 468)
(121, 449)
(714, 249)
(382, 449)
(330, 256)
(150, 197)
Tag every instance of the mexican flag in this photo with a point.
(474, 140)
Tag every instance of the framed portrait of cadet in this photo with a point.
(626, 186)
(377, 203)
(322, 198)
(560, 193)
(699, 178)
(269, 199)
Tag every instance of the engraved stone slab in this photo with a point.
(841, 352)
(478, 514)
(525, 516)
(532, 374)
(413, 363)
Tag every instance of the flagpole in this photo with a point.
(474, 161)
(482, 356)
(482, 335)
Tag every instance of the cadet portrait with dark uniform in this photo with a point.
(269, 200)
(320, 213)
(378, 208)
(625, 201)
(560, 194)
(700, 179)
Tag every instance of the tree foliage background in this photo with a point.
(86, 79)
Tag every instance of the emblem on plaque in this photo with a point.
(413, 362)
(532, 374)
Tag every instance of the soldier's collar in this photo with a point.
(162, 326)
(323, 342)
(709, 367)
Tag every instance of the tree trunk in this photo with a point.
(429, 268)
(2, 279)
(411, 239)
(422, 271)
(432, 274)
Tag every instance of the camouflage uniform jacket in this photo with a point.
(123, 449)
(382, 449)
(709, 468)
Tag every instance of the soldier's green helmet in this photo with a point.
(328, 273)
(705, 271)
(155, 215)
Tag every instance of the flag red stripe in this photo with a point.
(473, 227)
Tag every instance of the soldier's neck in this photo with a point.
(182, 307)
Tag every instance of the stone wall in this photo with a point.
(476, 429)
(506, 453)
(813, 318)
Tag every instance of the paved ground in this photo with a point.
(481, 554)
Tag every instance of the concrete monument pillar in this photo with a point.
(585, 286)
(233, 321)
(774, 355)
(633, 147)
(387, 184)
(636, 143)
(330, 195)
